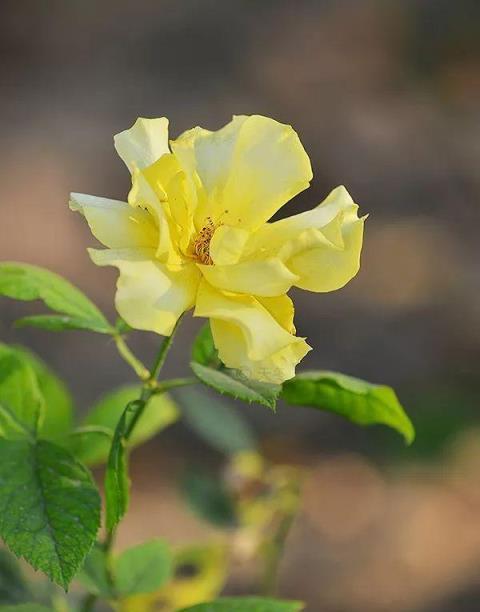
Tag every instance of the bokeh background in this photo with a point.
(385, 95)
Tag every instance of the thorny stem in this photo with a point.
(150, 387)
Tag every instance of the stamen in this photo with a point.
(201, 245)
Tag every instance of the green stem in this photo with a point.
(108, 548)
(137, 407)
(274, 554)
(173, 383)
(150, 385)
(59, 603)
(88, 604)
(162, 354)
(135, 363)
(107, 545)
(149, 388)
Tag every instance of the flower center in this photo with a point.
(201, 244)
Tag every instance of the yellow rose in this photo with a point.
(195, 233)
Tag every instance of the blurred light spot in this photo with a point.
(344, 496)
(407, 264)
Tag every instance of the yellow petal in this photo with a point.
(271, 237)
(321, 246)
(227, 244)
(150, 296)
(143, 143)
(327, 269)
(168, 182)
(269, 277)
(184, 150)
(248, 337)
(143, 195)
(116, 224)
(282, 310)
(160, 173)
(246, 171)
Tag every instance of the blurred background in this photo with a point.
(385, 95)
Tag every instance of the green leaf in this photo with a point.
(203, 349)
(27, 607)
(117, 484)
(49, 507)
(246, 604)
(94, 574)
(160, 412)
(26, 282)
(62, 323)
(209, 369)
(235, 384)
(361, 402)
(90, 444)
(58, 416)
(21, 401)
(13, 587)
(143, 569)
(209, 499)
(216, 422)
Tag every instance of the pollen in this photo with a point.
(201, 244)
